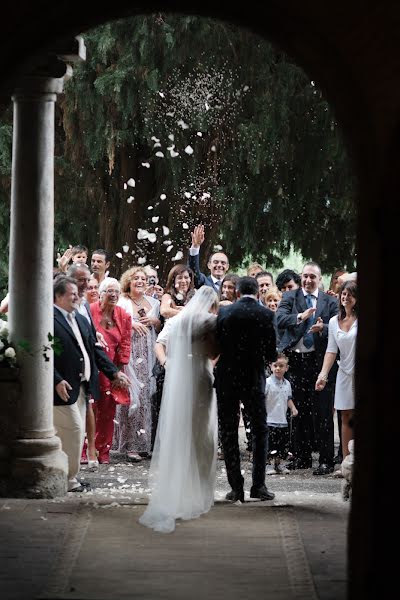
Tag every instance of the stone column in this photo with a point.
(38, 465)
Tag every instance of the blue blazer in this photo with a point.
(68, 364)
(294, 302)
(199, 278)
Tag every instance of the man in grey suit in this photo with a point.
(303, 316)
(218, 263)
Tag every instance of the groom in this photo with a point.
(247, 339)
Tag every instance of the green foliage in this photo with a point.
(269, 172)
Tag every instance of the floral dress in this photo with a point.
(133, 425)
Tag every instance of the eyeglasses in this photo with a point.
(112, 292)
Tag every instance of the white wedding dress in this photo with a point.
(183, 467)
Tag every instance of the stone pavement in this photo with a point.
(90, 546)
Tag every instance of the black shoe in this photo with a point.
(261, 493)
(235, 495)
(323, 470)
(82, 487)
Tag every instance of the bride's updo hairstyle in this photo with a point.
(205, 299)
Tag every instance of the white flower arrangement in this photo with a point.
(8, 356)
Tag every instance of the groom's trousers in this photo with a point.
(229, 416)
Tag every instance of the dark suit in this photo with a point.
(199, 278)
(313, 427)
(68, 364)
(247, 340)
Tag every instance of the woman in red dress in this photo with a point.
(116, 326)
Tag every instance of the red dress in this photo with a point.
(118, 339)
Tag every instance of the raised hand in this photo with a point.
(63, 261)
(198, 236)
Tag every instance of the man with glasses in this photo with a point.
(218, 263)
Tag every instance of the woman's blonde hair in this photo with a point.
(126, 278)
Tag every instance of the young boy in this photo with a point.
(78, 254)
(278, 398)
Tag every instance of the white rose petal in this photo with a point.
(143, 234)
(165, 230)
(161, 94)
(170, 114)
(10, 353)
(131, 182)
(119, 254)
(171, 137)
(130, 199)
(163, 196)
(187, 195)
(155, 219)
(154, 138)
(125, 248)
(213, 149)
(178, 255)
(189, 150)
(150, 207)
(207, 106)
(169, 248)
(218, 247)
(125, 186)
(199, 134)
(160, 154)
(146, 164)
(141, 260)
(182, 124)
(174, 154)
(182, 210)
(185, 226)
(246, 88)
(152, 238)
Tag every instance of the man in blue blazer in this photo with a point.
(76, 367)
(303, 316)
(218, 263)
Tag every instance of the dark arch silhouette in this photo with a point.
(353, 51)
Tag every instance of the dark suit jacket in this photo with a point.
(69, 364)
(199, 277)
(290, 306)
(247, 339)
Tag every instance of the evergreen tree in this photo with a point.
(175, 120)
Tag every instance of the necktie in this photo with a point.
(218, 284)
(308, 338)
(77, 333)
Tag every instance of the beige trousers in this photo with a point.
(70, 425)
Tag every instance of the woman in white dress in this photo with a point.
(183, 467)
(342, 337)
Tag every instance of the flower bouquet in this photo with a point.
(8, 356)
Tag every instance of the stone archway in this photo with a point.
(353, 52)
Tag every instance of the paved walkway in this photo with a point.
(90, 546)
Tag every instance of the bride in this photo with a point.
(183, 467)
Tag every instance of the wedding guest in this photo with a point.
(342, 338)
(278, 398)
(334, 283)
(132, 435)
(265, 282)
(154, 289)
(254, 269)
(100, 263)
(92, 291)
(228, 289)
(218, 263)
(116, 326)
(76, 254)
(180, 283)
(288, 280)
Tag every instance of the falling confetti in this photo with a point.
(131, 182)
(163, 196)
(125, 248)
(185, 226)
(178, 255)
(150, 207)
(199, 134)
(130, 199)
(119, 254)
(141, 260)
(155, 219)
(169, 248)
(165, 230)
(189, 150)
(146, 164)
(160, 154)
